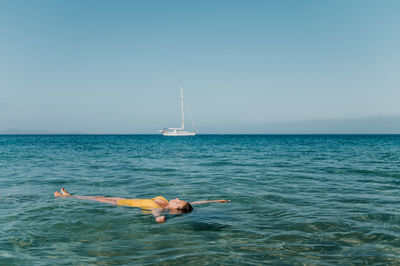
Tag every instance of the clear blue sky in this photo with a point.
(116, 66)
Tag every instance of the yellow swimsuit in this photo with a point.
(146, 204)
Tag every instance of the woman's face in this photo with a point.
(177, 203)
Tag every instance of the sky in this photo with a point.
(93, 66)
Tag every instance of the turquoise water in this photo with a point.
(294, 199)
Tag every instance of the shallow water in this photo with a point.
(294, 199)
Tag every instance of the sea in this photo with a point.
(294, 199)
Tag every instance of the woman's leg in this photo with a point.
(109, 200)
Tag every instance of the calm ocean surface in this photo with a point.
(322, 200)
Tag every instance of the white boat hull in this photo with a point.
(179, 133)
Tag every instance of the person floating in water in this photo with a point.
(156, 205)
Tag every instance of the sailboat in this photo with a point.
(181, 130)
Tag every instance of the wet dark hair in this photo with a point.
(185, 208)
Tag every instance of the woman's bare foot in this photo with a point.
(64, 192)
(57, 194)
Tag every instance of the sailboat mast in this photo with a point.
(183, 115)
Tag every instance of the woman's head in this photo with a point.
(180, 205)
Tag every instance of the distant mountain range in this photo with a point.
(34, 132)
(370, 125)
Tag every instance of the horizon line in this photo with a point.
(205, 134)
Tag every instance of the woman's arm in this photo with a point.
(157, 213)
(208, 201)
